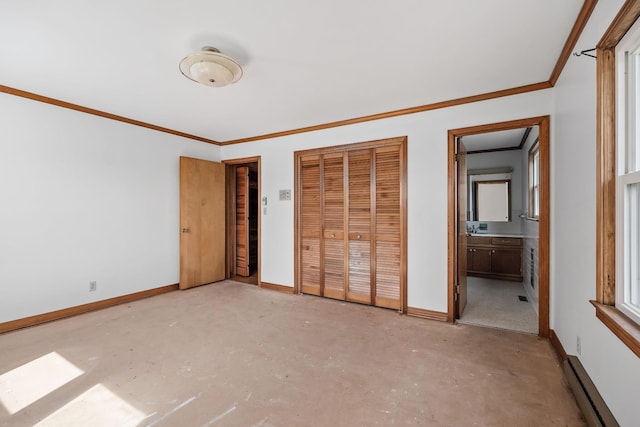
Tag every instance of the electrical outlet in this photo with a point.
(93, 285)
(578, 345)
(285, 195)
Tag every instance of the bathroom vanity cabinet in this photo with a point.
(495, 257)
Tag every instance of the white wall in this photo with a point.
(84, 198)
(427, 185)
(614, 369)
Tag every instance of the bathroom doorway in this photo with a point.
(505, 261)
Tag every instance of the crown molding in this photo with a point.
(92, 111)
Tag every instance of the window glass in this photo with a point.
(534, 181)
(632, 252)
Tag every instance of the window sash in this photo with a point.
(628, 245)
(627, 289)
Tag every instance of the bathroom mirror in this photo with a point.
(492, 200)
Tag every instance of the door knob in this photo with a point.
(185, 230)
(333, 235)
(358, 236)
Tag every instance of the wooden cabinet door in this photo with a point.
(387, 227)
(310, 227)
(481, 260)
(333, 244)
(506, 261)
(359, 223)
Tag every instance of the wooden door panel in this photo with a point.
(359, 281)
(333, 174)
(359, 289)
(334, 268)
(310, 225)
(482, 260)
(506, 261)
(242, 215)
(360, 192)
(388, 274)
(333, 285)
(387, 227)
(202, 222)
(310, 254)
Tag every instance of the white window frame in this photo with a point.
(628, 173)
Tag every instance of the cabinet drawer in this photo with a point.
(506, 241)
(478, 240)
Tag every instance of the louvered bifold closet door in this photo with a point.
(359, 223)
(310, 224)
(334, 220)
(387, 227)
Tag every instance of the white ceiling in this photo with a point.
(305, 63)
(494, 140)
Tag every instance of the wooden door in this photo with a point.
(333, 283)
(310, 224)
(202, 222)
(359, 280)
(387, 224)
(481, 261)
(461, 227)
(242, 221)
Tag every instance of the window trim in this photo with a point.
(624, 328)
(534, 150)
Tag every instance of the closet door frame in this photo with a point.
(401, 142)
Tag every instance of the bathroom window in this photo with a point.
(628, 175)
(534, 182)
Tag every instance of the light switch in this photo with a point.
(285, 194)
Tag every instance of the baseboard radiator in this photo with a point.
(595, 411)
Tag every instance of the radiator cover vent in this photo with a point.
(595, 411)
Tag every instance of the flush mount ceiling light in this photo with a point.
(210, 68)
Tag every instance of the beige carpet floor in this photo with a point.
(232, 354)
(495, 304)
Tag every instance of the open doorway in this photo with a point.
(243, 219)
(499, 225)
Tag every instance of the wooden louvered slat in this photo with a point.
(387, 227)
(310, 254)
(310, 225)
(334, 194)
(387, 272)
(334, 268)
(359, 271)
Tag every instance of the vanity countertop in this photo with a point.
(497, 235)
